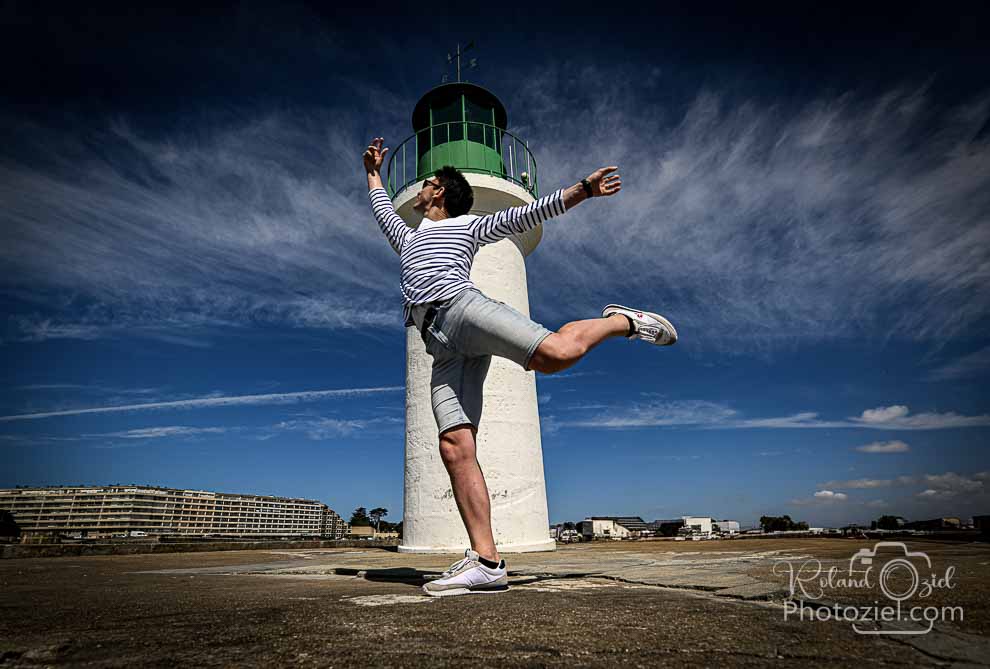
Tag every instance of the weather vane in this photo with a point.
(473, 63)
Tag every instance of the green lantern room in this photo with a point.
(463, 125)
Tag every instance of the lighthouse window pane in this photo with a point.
(447, 123)
(476, 132)
(422, 142)
(476, 112)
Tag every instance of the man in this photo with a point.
(462, 329)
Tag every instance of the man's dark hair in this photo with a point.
(458, 198)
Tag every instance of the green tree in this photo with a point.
(376, 516)
(780, 524)
(360, 518)
(888, 523)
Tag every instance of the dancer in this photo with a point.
(462, 329)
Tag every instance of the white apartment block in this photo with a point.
(103, 511)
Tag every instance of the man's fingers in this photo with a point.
(384, 151)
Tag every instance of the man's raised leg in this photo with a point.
(569, 344)
(458, 450)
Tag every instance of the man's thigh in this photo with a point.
(480, 326)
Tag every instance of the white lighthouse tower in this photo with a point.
(464, 125)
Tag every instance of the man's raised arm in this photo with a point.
(381, 204)
(517, 220)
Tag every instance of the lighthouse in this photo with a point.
(464, 125)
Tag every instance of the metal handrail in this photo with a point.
(517, 159)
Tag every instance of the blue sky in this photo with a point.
(195, 294)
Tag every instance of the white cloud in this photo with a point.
(868, 484)
(884, 414)
(897, 418)
(713, 415)
(160, 432)
(884, 447)
(319, 429)
(657, 414)
(799, 420)
(822, 497)
(213, 402)
(954, 483)
(937, 494)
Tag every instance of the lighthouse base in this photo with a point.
(547, 545)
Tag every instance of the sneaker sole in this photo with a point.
(466, 591)
(667, 324)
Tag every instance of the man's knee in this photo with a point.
(556, 352)
(457, 445)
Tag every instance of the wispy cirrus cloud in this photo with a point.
(761, 221)
(713, 415)
(160, 432)
(774, 221)
(322, 428)
(224, 224)
(658, 414)
(212, 402)
(869, 484)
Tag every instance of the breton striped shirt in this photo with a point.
(436, 257)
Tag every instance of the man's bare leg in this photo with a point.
(458, 446)
(565, 347)
(458, 450)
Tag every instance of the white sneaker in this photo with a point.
(648, 326)
(468, 577)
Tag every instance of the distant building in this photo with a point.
(104, 511)
(698, 526)
(726, 527)
(368, 532)
(892, 522)
(934, 524)
(666, 528)
(614, 527)
(982, 523)
(707, 527)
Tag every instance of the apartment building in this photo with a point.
(104, 511)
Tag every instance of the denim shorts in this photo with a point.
(466, 331)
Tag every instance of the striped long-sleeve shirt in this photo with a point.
(436, 257)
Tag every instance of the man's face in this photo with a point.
(427, 194)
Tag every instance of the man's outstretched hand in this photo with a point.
(374, 156)
(603, 183)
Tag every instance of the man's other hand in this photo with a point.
(603, 183)
(374, 156)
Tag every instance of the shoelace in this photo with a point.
(455, 567)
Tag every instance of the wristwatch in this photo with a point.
(587, 188)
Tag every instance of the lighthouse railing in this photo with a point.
(480, 148)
